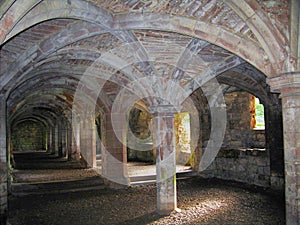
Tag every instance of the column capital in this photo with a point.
(285, 82)
(164, 109)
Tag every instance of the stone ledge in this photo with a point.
(237, 152)
(164, 109)
(284, 81)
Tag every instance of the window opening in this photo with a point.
(258, 115)
(183, 132)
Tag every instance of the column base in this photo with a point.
(164, 212)
(117, 186)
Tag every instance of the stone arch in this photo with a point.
(47, 10)
(268, 36)
(246, 49)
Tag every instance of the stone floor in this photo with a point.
(40, 166)
(202, 201)
(140, 168)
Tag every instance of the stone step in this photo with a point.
(151, 179)
(54, 187)
(142, 178)
(186, 174)
(49, 165)
(142, 182)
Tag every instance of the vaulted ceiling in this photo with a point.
(55, 52)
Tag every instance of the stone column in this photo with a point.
(49, 140)
(274, 140)
(114, 152)
(91, 142)
(3, 162)
(288, 85)
(69, 143)
(59, 139)
(164, 140)
(64, 131)
(75, 154)
(55, 139)
(88, 141)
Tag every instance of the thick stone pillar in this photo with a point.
(75, 149)
(114, 152)
(3, 162)
(164, 140)
(49, 140)
(69, 143)
(59, 139)
(274, 141)
(289, 86)
(91, 143)
(64, 131)
(54, 149)
(88, 141)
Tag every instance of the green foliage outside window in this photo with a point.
(260, 118)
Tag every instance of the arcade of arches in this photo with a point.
(156, 81)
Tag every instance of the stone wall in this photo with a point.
(243, 156)
(239, 132)
(257, 139)
(244, 165)
(28, 135)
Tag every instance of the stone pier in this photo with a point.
(114, 154)
(288, 84)
(75, 139)
(88, 141)
(165, 158)
(3, 162)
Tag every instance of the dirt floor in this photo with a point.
(201, 201)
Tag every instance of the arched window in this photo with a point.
(183, 132)
(257, 114)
